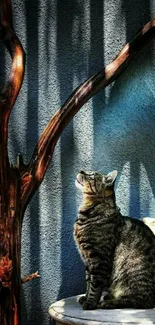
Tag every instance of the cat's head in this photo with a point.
(94, 183)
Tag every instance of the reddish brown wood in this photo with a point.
(31, 277)
(19, 183)
(10, 213)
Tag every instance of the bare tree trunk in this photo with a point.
(10, 228)
(19, 183)
(10, 181)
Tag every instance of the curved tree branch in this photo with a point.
(11, 41)
(11, 89)
(43, 151)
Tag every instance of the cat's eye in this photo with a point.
(81, 177)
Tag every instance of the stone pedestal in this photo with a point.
(69, 311)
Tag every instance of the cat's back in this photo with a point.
(136, 246)
(134, 231)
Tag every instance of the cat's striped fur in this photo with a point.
(119, 252)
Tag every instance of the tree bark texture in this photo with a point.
(19, 183)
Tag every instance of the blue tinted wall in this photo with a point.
(65, 42)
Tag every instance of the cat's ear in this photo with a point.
(109, 179)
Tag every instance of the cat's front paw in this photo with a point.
(89, 305)
(82, 299)
(106, 305)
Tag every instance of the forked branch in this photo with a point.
(31, 277)
(45, 146)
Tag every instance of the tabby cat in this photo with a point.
(118, 252)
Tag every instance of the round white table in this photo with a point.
(69, 311)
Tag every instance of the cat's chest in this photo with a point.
(88, 232)
(94, 234)
(83, 239)
(81, 231)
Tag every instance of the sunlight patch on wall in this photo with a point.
(150, 82)
(50, 193)
(49, 93)
(152, 8)
(84, 142)
(123, 190)
(86, 32)
(25, 247)
(50, 225)
(83, 127)
(108, 93)
(81, 40)
(113, 43)
(147, 200)
(83, 122)
(84, 135)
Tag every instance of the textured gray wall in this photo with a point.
(65, 42)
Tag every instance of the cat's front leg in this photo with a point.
(98, 277)
(94, 292)
(82, 299)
